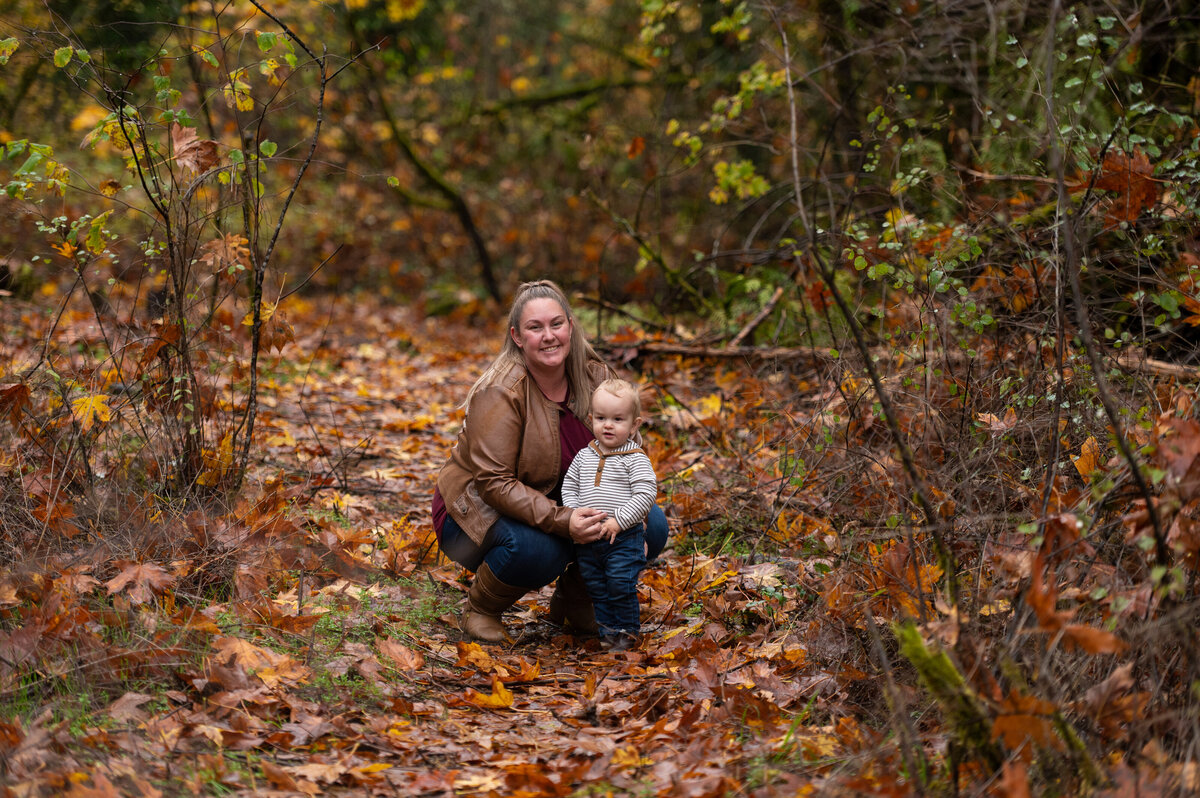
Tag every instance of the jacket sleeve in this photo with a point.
(495, 427)
(643, 485)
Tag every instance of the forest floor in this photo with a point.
(348, 675)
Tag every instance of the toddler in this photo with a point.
(613, 474)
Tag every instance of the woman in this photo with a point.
(496, 508)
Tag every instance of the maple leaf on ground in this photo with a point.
(191, 152)
(14, 399)
(142, 580)
(87, 409)
(472, 654)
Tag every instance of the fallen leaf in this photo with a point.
(143, 581)
(405, 658)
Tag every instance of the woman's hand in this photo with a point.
(587, 525)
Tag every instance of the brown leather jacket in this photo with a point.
(508, 458)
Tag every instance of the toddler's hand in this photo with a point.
(611, 529)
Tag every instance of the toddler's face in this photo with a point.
(612, 420)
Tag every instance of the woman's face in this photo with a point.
(544, 335)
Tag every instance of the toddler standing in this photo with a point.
(613, 474)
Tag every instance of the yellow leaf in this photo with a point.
(374, 767)
(88, 410)
(695, 627)
(216, 464)
(500, 698)
(629, 757)
(237, 93)
(709, 407)
(720, 580)
(267, 311)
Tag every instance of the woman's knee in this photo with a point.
(657, 531)
(526, 557)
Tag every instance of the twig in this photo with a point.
(813, 353)
(758, 319)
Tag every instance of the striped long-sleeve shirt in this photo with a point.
(621, 483)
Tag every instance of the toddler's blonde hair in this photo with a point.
(622, 389)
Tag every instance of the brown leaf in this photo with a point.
(1015, 781)
(226, 254)
(191, 152)
(14, 399)
(1131, 177)
(128, 707)
(277, 776)
(146, 579)
(405, 658)
(1043, 599)
(996, 424)
(1024, 718)
(1092, 640)
(101, 788)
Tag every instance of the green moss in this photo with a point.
(965, 714)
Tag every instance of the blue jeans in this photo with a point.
(610, 572)
(520, 555)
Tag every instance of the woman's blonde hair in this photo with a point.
(580, 354)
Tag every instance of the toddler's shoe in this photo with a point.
(619, 641)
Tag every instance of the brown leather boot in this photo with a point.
(487, 599)
(571, 604)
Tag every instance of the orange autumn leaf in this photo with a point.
(1092, 640)
(1088, 461)
(473, 655)
(1023, 718)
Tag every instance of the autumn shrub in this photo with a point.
(157, 244)
(127, 431)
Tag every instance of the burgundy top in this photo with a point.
(573, 435)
